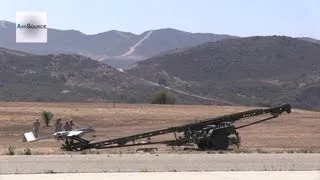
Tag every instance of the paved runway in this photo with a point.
(278, 175)
(159, 163)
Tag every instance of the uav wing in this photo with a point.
(30, 137)
(80, 132)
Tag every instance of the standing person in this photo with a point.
(58, 125)
(36, 127)
(67, 126)
(71, 124)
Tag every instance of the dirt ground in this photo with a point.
(299, 130)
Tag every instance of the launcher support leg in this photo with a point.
(175, 135)
(238, 140)
(67, 141)
(172, 146)
(235, 139)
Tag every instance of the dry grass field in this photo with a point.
(299, 130)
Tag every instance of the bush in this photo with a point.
(27, 151)
(11, 150)
(261, 151)
(50, 172)
(47, 116)
(162, 98)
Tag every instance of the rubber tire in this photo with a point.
(201, 145)
(220, 141)
(209, 143)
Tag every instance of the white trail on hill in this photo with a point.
(133, 48)
(189, 94)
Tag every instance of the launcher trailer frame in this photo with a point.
(209, 134)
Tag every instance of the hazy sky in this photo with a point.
(234, 17)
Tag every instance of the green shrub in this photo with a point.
(241, 151)
(261, 151)
(222, 152)
(11, 150)
(50, 171)
(162, 97)
(47, 116)
(27, 151)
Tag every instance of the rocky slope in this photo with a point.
(252, 71)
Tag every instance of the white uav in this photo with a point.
(61, 135)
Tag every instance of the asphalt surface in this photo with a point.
(101, 163)
(252, 175)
